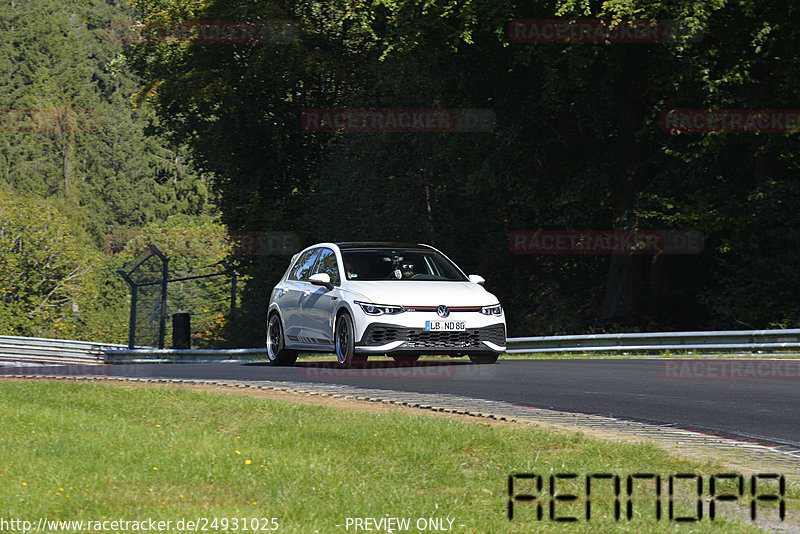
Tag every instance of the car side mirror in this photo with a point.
(321, 279)
(476, 279)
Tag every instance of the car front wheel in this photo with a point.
(344, 341)
(484, 357)
(407, 360)
(277, 353)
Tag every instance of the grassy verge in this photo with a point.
(95, 452)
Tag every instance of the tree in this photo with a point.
(577, 146)
(45, 272)
(69, 130)
(70, 136)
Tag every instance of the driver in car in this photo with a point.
(408, 270)
(348, 268)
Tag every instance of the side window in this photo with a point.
(305, 263)
(327, 264)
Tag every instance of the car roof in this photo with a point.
(377, 244)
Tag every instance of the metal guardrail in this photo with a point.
(53, 351)
(654, 341)
(59, 351)
(749, 340)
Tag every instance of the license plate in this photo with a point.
(445, 326)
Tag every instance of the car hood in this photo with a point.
(421, 293)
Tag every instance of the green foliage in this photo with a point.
(45, 272)
(105, 165)
(106, 162)
(577, 145)
(106, 319)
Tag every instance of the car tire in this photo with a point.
(405, 359)
(277, 353)
(484, 357)
(344, 341)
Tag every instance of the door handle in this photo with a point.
(306, 293)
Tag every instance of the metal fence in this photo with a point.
(742, 340)
(160, 288)
(147, 274)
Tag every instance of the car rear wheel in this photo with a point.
(344, 341)
(277, 353)
(484, 357)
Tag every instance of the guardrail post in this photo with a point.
(132, 320)
(162, 319)
(162, 325)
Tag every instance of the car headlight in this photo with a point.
(495, 309)
(380, 309)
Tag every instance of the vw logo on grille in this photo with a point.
(443, 311)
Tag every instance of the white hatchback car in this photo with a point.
(357, 299)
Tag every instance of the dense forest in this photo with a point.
(80, 165)
(170, 131)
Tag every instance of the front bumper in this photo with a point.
(387, 338)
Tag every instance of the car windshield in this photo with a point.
(399, 264)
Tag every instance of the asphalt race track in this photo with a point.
(757, 405)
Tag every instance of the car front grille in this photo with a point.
(424, 339)
(494, 334)
(378, 334)
(381, 335)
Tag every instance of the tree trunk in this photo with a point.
(622, 297)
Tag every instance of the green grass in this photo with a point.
(90, 451)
